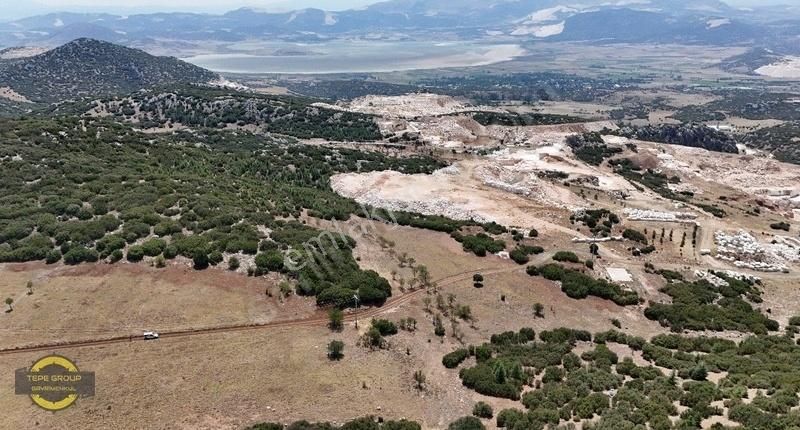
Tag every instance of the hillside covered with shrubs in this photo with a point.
(193, 106)
(571, 376)
(82, 190)
(692, 135)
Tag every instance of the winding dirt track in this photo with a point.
(318, 320)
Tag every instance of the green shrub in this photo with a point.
(634, 235)
(135, 253)
(579, 286)
(565, 335)
(480, 244)
(466, 423)
(455, 358)
(53, 256)
(200, 259)
(270, 261)
(702, 306)
(519, 257)
(507, 418)
(115, 256)
(153, 247)
(482, 410)
(385, 327)
(80, 254)
(170, 252)
(336, 350)
(566, 256)
(785, 226)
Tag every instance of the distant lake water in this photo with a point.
(356, 56)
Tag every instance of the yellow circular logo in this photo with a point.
(54, 382)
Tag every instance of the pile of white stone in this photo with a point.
(407, 106)
(525, 184)
(743, 250)
(711, 278)
(449, 170)
(740, 276)
(651, 215)
(439, 207)
(619, 274)
(684, 188)
(597, 239)
(719, 282)
(786, 247)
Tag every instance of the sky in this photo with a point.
(18, 9)
(13, 9)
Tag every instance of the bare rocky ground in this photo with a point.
(510, 185)
(8, 93)
(473, 191)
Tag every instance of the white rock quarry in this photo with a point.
(651, 215)
(743, 250)
(719, 282)
(716, 23)
(544, 22)
(557, 157)
(407, 106)
(711, 278)
(789, 68)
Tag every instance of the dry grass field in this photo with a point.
(229, 380)
(102, 300)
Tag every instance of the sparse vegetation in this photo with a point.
(516, 119)
(579, 286)
(336, 350)
(591, 148)
(480, 244)
(483, 410)
(574, 387)
(693, 135)
(599, 221)
(336, 319)
(782, 225)
(366, 423)
(71, 208)
(700, 305)
(566, 256)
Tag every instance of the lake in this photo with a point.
(355, 56)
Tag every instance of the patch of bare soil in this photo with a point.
(10, 94)
(101, 300)
(459, 193)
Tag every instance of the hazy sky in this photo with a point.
(17, 9)
(12, 9)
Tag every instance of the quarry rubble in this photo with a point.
(743, 250)
(651, 215)
(408, 106)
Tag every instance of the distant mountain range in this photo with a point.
(91, 67)
(684, 21)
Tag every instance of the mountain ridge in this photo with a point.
(87, 66)
(414, 17)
